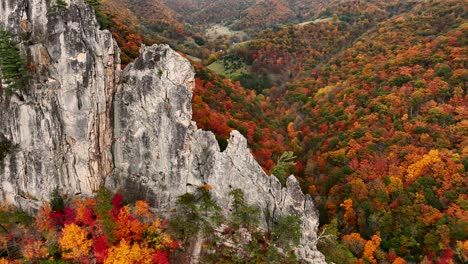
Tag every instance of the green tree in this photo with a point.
(93, 3)
(283, 165)
(286, 231)
(103, 207)
(56, 201)
(104, 19)
(13, 71)
(243, 215)
(59, 7)
(5, 147)
(329, 244)
(195, 212)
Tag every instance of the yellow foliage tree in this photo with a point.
(291, 131)
(462, 250)
(370, 247)
(395, 183)
(125, 253)
(349, 215)
(399, 261)
(74, 242)
(155, 237)
(415, 170)
(6, 261)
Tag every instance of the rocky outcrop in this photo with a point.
(61, 123)
(153, 127)
(160, 154)
(80, 124)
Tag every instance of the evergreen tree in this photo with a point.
(196, 212)
(13, 69)
(58, 7)
(283, 165)
(243, 214)
(103, 18)
(5, 147)
(56, 201)
(93, 3)
(286, 231)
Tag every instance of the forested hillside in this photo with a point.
(133, 23)
(248, 14)
(371, 96)
(382, 129)
(285, 52)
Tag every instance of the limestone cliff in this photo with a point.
(81, 122)
(61, 123)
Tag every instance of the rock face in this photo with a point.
(61, 123)
(82, 123)
(159, 153)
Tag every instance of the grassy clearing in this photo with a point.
(219, 30)
(240, 44)
(194, 59)
(218, 68)
(316, 21)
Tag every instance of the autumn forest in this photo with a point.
(368, 96)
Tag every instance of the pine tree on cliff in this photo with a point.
(13, 69)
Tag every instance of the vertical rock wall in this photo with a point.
(61, 123)
(153, 127)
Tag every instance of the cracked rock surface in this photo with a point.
(61, 122)
(82, 122)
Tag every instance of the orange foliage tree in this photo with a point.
(94, 230)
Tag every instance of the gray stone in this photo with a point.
(61, 122)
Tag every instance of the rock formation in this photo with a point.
(61, 123)
(82, 122)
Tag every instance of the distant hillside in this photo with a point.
(135, 22)
(248, 14)
(210, 11)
